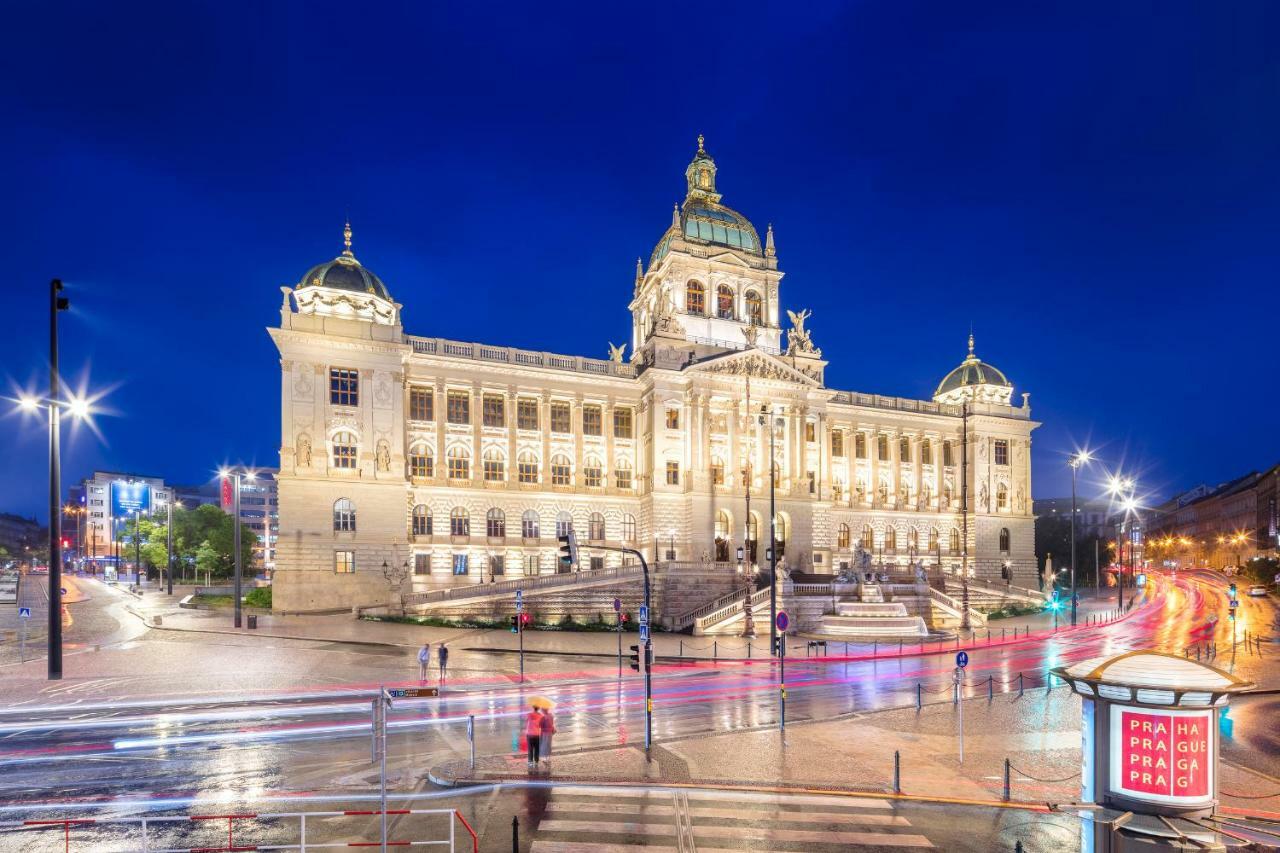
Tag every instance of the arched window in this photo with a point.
(527, 467)
(459, 463)
(344, 450)
(595, 527)
(1002, 497)
(564, 523)
(781, 532)
(890, 539)
(459, 522)
(868, 538)
(421, 520)
(722, 525)
(695, 298)
(753, 528)
(628, 528)
(933, 539)
(1004, 540)
(420, 461)
(561, 471)
(495, 524)
(954, 545)
(843, 537)
(622, 473)
(495, 465)
(529, 524)
(344, 515)
(592, 473)
(724, 302)
(913, 539)
(755, 308)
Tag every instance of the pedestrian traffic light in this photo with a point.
(626, 617)
(568, 550)
(524, 620)
(1233, 590)
(515, 624)
(635, 658)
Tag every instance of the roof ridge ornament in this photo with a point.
(675, 216)
(769, 249)
(346, 241)
(701, 150)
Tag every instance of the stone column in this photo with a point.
(512, 404)
(544, 426)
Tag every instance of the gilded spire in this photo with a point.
(769, 249)
(346, 240)
(639, 270)
(701, 150)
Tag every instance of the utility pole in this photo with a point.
(57, 303)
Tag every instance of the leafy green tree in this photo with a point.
(204, 536)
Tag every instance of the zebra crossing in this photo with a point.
(684, 821)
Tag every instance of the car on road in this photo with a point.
(1257, 591)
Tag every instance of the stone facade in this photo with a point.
(456, 462)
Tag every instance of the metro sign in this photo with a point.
(1162, 756)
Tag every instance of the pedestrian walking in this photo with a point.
(548, 729)
(444, 660)
(424, 661)
(533, 734)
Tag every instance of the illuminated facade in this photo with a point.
(461, 461)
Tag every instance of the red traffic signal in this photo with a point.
(524, 618)
(626, 617)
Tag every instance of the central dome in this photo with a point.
(345, 273)
(703, 219)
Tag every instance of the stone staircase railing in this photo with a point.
(730, 609)
(956, 607)
(539, 582)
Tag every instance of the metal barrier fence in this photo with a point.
(149, 827)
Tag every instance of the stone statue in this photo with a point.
(921, 577)
(797, 338)
(615, 353)
(751, 332)
(1022, 500)
(982, 497)
(384, 457)
(304, 451)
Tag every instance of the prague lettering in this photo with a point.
(1165, 754)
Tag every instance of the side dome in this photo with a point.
(974, 379)
(345, 273)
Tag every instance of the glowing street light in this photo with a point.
(1082, 457)
(236, 475)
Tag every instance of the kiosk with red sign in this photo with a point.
(1150, 732)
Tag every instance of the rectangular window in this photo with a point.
(673, 473)
(422, 404)
(497, 566)
(460, 564)
(860, 445)
(622, 423)
(527, 469)
(926, 452)
(526, 414)
(495, 413)
(459, 407)
(882, 448)
(717, 473)
(1001, 452)
(530, 564)
(947, 454)
(837, 444)
(495, 468)
(422, 564)
(673, 419)
(591, 420)
(622, 475)
(904, 450)
(560, 418)
(597, 563)
(344, 562)
(810, 431)
(813, 480)
(561, 473)
(344, 387)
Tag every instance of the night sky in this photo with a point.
(1095, 189)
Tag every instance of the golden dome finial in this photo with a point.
(701, 150)
(346, 240)
(971, 343)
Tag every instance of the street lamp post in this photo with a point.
(766, 417)
(57, 302)
(168, 548)
(235, 475)
(137, 548)
(1076, 461)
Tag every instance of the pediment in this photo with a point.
(756, 364)
(729, 258)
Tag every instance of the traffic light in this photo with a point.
(515, 624)
(568, 551)
(635, 658)
(524, 620)
(1233, 592)
(626, 617)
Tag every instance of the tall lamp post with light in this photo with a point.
(1082, 457)
(766, 417)
(1122, 488)
(235, 475)
(168, 552)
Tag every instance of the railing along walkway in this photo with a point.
(539, 582)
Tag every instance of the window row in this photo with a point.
(493, 413)
(695, 302)
(495, 524)
(494, 467)
(890, 539)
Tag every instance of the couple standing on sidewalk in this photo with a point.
(539, 727)
(424, 660)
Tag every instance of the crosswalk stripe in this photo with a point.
(739, 833)
(593, 847)
(729, 796)
(598, 826)
(558, 809)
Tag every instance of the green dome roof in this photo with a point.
(972, 371)
(703, 219)
(345, 273)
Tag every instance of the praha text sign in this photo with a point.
(1162, 756)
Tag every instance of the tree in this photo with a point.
(204, 537)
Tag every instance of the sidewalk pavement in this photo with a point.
(1038, 733)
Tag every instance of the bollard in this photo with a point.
(957, 639)
(1006, 780)
(875, 646)
(990, 687)
(1019, 684)
(748, 649)
(899, 647)
(515, 835)
(918, 700)
(955, 693)
(682, 648)
(1048, 684)
(1017, 847)
(1197, 653)
(715, 649)
(1002, 630)
(897, 773)
(846, 648)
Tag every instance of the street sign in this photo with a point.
(471, 728)
(64, 590)
(644, 630)
(962, 659)
(782, 621)
(24, 612)
(1233, 603)
(413, 692)
(617, 605)
(644, 614)
(519, 595)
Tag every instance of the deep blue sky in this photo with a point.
(1095, 188)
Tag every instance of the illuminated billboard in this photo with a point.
(1162, 756)
(128, 497)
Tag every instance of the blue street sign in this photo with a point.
(519, 595)
(782, 621)
(24, 612)
(962, 659)
(617, 605)
(644, 615)
(64, 590)
(644, 631)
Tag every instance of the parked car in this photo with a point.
(1257, 590)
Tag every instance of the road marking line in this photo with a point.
(593, 826)
(881, 839)
(593, 847)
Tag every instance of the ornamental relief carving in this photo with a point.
(304, 386)
(755, 366)
(336, 422)
(381, 390)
